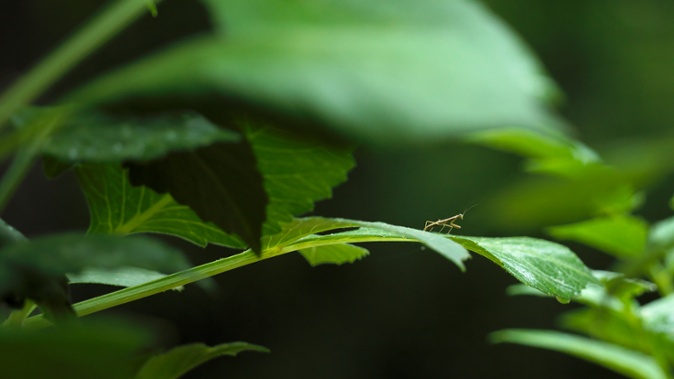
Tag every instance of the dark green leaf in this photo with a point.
(624, 361)
(220, 183)
(36, 269)
(378, 70)
(619, 235)
(9, 235)
(296, 172)
(549, 267)
(117, 207)
(178, 361)
(101, 351)
(97, 137)
(334, 254)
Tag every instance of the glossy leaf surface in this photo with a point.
(549, 267)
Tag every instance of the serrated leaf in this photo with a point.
(117, 207)
(549, 267)
(334, 254)
(379, 70)
(220, 183)
(624, 361)
(178, 361)
(301, 234)
(297, 172)
(619, 235)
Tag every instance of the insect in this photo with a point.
(450, 222)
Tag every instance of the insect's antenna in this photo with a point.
(467, 209)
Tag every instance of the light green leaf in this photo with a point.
(297, 172)
(180, 360)
(658, 315)
(624, 361)
(120, 277)
(620, 235)
(334, 254)
(117, 207)
(546, 266)
(551, 154)
(300, 234)
(378, 70)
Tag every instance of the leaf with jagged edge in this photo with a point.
(546, 266)
(301, 234)
(117, 207)
(180, 360)
(297, 172)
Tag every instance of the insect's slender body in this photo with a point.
(450, 222)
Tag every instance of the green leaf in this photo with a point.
(658, 315)
(619, 235)
(120, 277)
(297, 172)
(380, 70)
(9, 235)
(101, 137)
(624, 361)
(220, 183)
(100, 350)
(334, 254)
(180, 360)
(551, 154)
(546, 266)
(117, 207)
(36, 269)
(301, 234)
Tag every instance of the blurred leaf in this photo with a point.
(100, 350)
(9, 235)
(551, 154)
(662, 234)
(378, 70)
(106, 137)
(220, 183)
(296, 172)
(334, 254)
(117, 207)
(120, 277)
(36, 269)
(546, 266)
(658, 316)
(178, 361)
(620, 235)
(624, 361)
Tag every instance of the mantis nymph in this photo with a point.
(449, 222)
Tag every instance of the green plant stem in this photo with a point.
(20, 166)
(194, 274)
(95, 33)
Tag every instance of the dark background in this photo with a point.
(402, 312)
